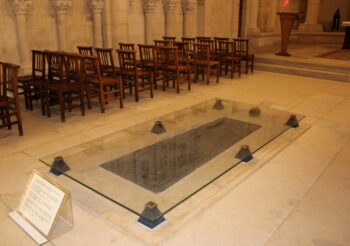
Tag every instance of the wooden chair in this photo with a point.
(97, 83)
(185, 52)
(162, 43)
(127, 46)
(140, 79)
(198, 38)
(64, 83)
(189, 45)
(33, 84)
(85, 50)
(217, 40)
(168, 38)
(228, 58)
(107, 64)
(203, 61)
(168, 58)
(242, 50)
(9, 102)
(148, 61)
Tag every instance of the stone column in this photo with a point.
(149, 7)
(189, 8)
(20, 9)
(61, 7)
(201, 21)
(170, 7)
(311, 22)
(271, 19)
(97, 8)
(253, 16)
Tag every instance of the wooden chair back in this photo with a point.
(168, 56)
(38, 64)
(168, 38)
(216, 43)
(55, 65)
(202, 52)
(127, 60)
(85, 50)
(147, 54)
(106, 58)
(9, 101)
(162, 43)
(127, 46)
(241, 46)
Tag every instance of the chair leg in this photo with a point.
(8, 118)
(61, 101)
(136, 89)
(102, 98)
(150, 81)
(177, 81)
(246, 67)
(208, 74)
(121, 104)
(19, 120)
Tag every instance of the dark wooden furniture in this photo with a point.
(203, 61)
(228, 59)
(127, 46)
(107, 64)
(217, 40)
(162, 43)
(97, 83)
(9, 103)
(168, 38)
(148, 61)
(346, 43)
(131, 73)
(64, 84)
(198, 38)
(287, 20)
(242, 50)
(85, 50)
(33, 84)
(168, 58)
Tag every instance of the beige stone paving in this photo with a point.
(275, 205)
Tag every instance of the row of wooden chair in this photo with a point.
(67, 79)
(9, 102)
(240, 47)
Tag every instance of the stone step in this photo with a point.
(304, 65)
(307, 72)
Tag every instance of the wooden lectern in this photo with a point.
(346, 44)
(287, 20)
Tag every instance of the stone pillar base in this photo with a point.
(310, 28)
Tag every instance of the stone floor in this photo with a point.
(298, 195)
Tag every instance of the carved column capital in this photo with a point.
(20, 7)
(170, 5)
(61, 6)
(96, 5)
(188, 6)
(149, 5)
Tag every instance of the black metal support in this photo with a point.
(59, 166)
(292, 121)
(151, 216)
(255, 112)
(218, 105)
(158, 128)
(244, 154)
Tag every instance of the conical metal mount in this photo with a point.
(158, 128)
(218, 105)
(255, 112)
(59, 166)
(151, 216)
(292, 121)
(244, 154)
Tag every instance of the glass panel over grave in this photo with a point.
(147, 163)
